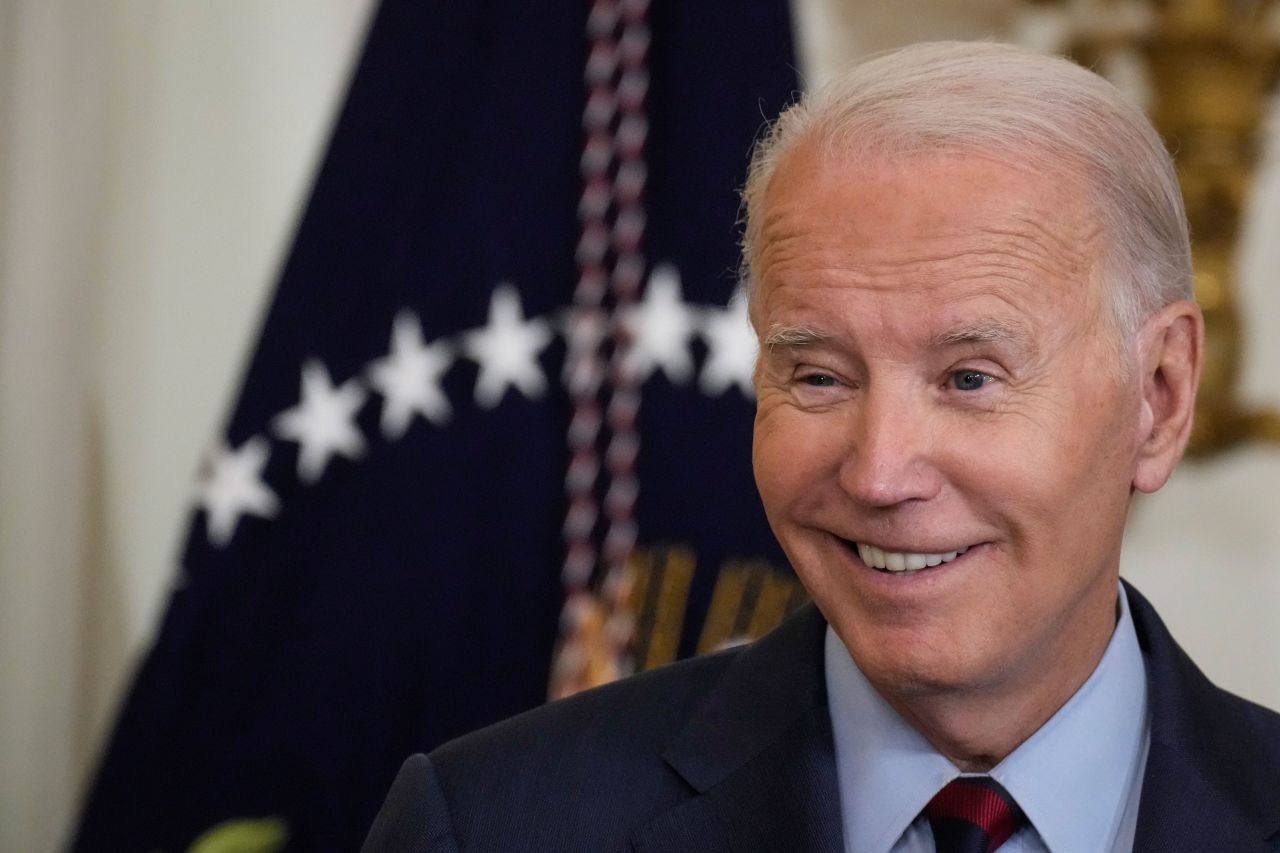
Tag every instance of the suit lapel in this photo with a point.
(1211, 777)
(785, 798)
(765, 778)
(759, 754)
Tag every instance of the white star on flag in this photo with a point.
(732, 348)
(660, 327)
(231, 486)
(323, 423)
(507, 350)
(409, 378)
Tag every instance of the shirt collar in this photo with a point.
(1072, 777)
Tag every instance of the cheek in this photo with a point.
(1062, 479)
(792, 454)
(1095, 443)
(769, 464)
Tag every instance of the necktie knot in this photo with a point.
(972, 815)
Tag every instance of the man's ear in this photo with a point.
(1170, 355)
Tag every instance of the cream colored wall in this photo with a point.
(152, 159)
(225, 110)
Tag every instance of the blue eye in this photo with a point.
(819, 380)
(969, 380)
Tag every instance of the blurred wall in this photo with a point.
(153, 157)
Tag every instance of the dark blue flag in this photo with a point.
(375, 564)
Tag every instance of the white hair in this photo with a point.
(1035, 112)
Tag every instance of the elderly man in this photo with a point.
(969, 272)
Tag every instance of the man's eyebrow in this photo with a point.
(985, 332)
(792, 336)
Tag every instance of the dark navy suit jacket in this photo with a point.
(733, 752)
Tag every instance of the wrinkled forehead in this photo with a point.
(921, 219)
(917, 186)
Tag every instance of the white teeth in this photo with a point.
(902, 561)
(916, 562)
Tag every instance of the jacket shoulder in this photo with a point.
(1239, 740)
(1230, 744)
(637, 712)
(578, 773)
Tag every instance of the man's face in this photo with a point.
(937, 376)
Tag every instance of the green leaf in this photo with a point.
(243, 835)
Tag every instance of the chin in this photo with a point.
(920, 663)
(913, 675)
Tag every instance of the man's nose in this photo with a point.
(889, 457)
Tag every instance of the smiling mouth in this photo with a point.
(903, 562)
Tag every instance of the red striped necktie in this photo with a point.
(972, 815)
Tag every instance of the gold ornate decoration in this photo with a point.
(749, 599)
(661, 595)
(1211, 65)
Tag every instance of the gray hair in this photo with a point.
(1045, 114)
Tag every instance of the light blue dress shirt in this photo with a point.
(1078, 778)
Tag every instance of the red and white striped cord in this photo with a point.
(596, 626)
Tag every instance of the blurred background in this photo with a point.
(154, 161)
